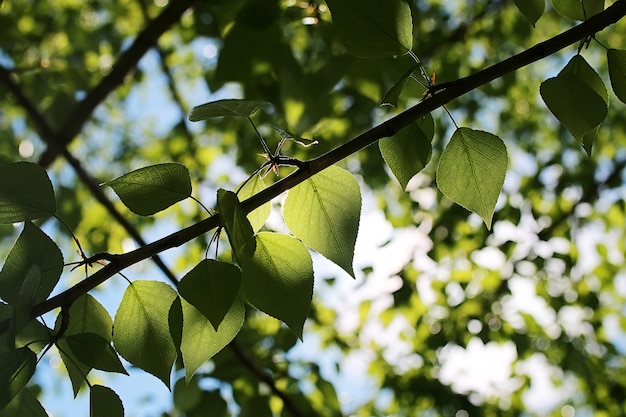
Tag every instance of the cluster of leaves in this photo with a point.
(157, 324)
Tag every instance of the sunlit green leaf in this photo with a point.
(583, 71)
(408, 151)
(258, 216)
(531, 9)
(617, 72)
(392, 96)
(25, 301)
(211, 287)
(370, 29)
(237, 225)
(25, 404)
(201, 341)
(104, 402)
(33, 247)
(471, 171)
(141, 331)
(324, 212)
(578, 10)
(25, 193)
(151, 189)
(16, 369)
(228, 107)
(278, 280)
(95, 351)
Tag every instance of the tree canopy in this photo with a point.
(363, 208)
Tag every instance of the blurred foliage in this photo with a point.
(547, 283)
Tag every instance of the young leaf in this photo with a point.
(471, 171)
(33, 247)
(392, 96)
(16, 369)
(371, 29)
(151, 189)
(104, 402)
(324, 212)
(238, 228)
(258, 216)
(25, 404)
(578, 10)
(27, 194)
(229, 107)
(574, 103)
(141, 331)
(211, 287)
(95, 351)
(408, 151)
(617, 72)
(201, 341)
(531, 9)
(278, 280)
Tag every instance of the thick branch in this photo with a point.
(450, 92)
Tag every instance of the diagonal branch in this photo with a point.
(447, 93)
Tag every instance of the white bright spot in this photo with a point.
(483, 369)
(209, 51)
(26, 149)
(161, 3)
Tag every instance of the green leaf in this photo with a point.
(471, 171)
(86, 315)
(574, 103)
(617, 72)
(16, 369)
(392, 96)
(324, 212)
(409, 150)
(583, 71)
(25, 193)
(33, 247)
(278, 280)
(201, 341)
(578, 10)
(531, 9)
(371, 29)
(258, 216)
(187, 395)
(228, 107)
(95, 351)
(104, 402)
(151, 189)
(141, 331)
(238, 228)
(211, 287)
(25, 301)
(25, 404)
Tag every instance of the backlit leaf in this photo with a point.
(201, 341)
(471, 171)
(617, 72)
(141, 330)
(25, 404)
(104, 402)
(324, 212)
(238, 228)
(258, 216)
(26, 194)
(578, 10)
(373, 29)
(25, 301)
(16, 369)
(151, 189)
(583, 71)
(211, 287)
(408, 151)
(278, 280)
(392, 96)
(33, 247)
(228, 107)
(531, 9)
(95, 351)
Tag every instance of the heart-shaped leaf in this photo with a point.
(151, 189)
(471, 171)
(373, 29)
(531, 9)
(324, 212)
(228, 107)
(278, 280)
(26, 194)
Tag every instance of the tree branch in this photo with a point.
(449, 92)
